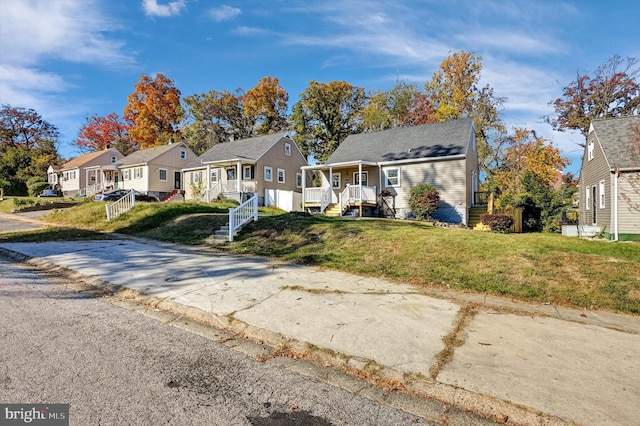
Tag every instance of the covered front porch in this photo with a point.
(233, 179)
(100, 179)
(342, 189)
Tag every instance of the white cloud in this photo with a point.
(223, 13)
(152, 8)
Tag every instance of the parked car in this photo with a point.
(112, 195)
(49, 193)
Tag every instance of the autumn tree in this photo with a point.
(612, 90)
(154, 111)
(325, 115)
(266, 106)
(110, 131)
(453, 93)
(215, 117)
(390, 108)
(530, 165)
(28, 145)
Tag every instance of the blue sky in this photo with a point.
(70, 59)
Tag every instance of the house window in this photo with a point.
(587, 198)
(163, 174)
(247, 172)
(137, 173)
(364, 176)
(126, 174)
(280, 175)
(335, 181)
(113, 159)
(215, 175)
(268, 174)
(392, 177)
(590, 148)
(183, 154)
(299, 180)
(196, 177)
(601, 193)
(287, 149)
(231, 173)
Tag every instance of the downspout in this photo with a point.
(615, 206)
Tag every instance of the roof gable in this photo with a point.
(407, 143)
(250, 148)
(615, 136)
(144, 156)
(86, 158)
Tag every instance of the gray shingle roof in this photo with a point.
(615, 136)
(406, 143)
(250, 148)
(144, 156)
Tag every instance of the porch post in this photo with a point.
(360, 184)
(238, 176)
(208, 183)
(304, 185)
(331, 182)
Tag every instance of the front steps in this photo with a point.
(475, 222)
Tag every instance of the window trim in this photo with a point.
(270, 178)
(183, 154)
(216, 173)
(283, 176)
(333, 181)
(287, 149)
(298, 180)
(587, 198)
(166, 175)
(244, 173)
(590, 149)
(387, 182)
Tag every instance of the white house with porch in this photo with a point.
(85, 175)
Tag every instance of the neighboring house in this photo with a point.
(156, 171)
(54, 177)
(87, 174)
(392, 162)
(610, 179)
(246, 166)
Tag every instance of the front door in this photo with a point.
(593, 204)
(177, 176)
(364, 177)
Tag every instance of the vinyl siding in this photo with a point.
(628, 218)
(73, 186)
(276, 159)
(591, 174)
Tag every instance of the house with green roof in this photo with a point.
(610, 179)
(371, 174)
(156, 171)
(237, 169)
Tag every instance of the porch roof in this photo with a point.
(219, 163)
(340, 165)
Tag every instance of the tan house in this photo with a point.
(247, 166)
(371, 174)
(610, 179)
(85, 175)
(156, 171)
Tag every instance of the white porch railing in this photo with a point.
(92, 189)
(321, 196)
(356, 194)
(243, 214)
(214, 191)
(230, 186)
(123, 205)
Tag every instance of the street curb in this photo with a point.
(423, 397)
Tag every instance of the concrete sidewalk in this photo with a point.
(511, 362)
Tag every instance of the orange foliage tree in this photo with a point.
(154, 111)
(266, 105)
(110, 131)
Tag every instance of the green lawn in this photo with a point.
(533, 267)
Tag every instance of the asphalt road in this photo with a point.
(116, 366)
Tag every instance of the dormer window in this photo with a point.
(590, 148)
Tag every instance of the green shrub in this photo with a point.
(424, 200)
(497, 222)
(37, 187)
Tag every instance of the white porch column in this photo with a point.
(304, 186)
(238, 175)
(208, 183)
(331, 181)
(360, 184)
